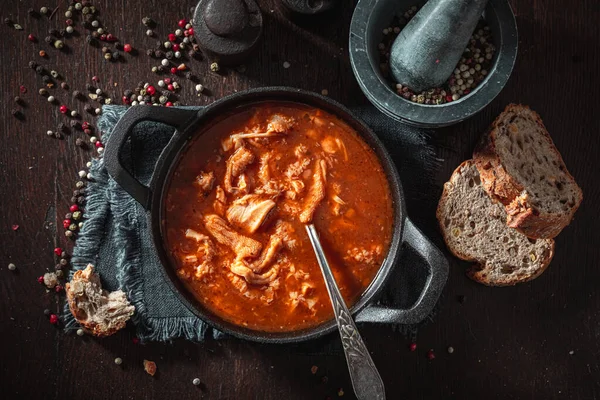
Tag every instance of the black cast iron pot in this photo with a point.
(188, 124)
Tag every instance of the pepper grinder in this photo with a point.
(228, 30)
(427, 50)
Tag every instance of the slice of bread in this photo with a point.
(102, 313)
(520, 167)
(474, 228)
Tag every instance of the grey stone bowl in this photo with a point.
(366, 30)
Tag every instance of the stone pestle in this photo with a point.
(427, 50)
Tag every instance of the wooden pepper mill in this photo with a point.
(427, 50)
(228, 30)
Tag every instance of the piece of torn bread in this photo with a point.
(520, 167)
(102, 313)
(474, 228)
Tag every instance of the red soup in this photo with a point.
(240, 198)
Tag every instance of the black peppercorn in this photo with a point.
(100, 99)
(147, 21)
(159, 45)
(68, 215)
(40, 70)
(190, 76)
(89, 87)
(81, 143)
(76, 94)
(147, 98)
(49, 39)
(33, 64)
(18, 100)
(95, 34)
(7, 21)
(116, 55)
(159, 54)
(150, 53)
(127, 93)
(105, 50)
(62, 127)
(140, 85)
(46, 79)
(74, 124)
(73, 199)
(88, 108)
(62, 32)
(118, 45)
(64, 85)
(33, 13)
(81, 200)
(169, 55)
(160, 68)
(54, 32)
(18, 114)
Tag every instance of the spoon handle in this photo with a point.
(365, 378)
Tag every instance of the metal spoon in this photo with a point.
(365, 378)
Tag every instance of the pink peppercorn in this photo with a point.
(151, 90)
(127, 48)
(172, 37)
(413, 347)
(430, 354)
(135, 340)
(171, 87)
(40, 279)
(448, 98)
(66, 224)
(110, 37)
(167, 80)
(58, 288)
(58, 251)
(182, 23)
(53, 319)
(169, 104)
(103, 37)
(95, 79)
(23, 89)
(31, 38)
(74, 208)
(176, 47)
(173, 70)
(85, 125)
(63, 109)
(98, 144)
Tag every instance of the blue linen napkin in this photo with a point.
(116, 240)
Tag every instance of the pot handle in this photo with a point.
(176, 117)
(438, 274)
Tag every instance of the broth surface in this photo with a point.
(240, 198)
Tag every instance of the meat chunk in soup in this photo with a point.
(236, 164)
(250, 212)
(242, 246)
(316, 193)
(278, 125)
(205, 180)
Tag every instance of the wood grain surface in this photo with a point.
(535, 341)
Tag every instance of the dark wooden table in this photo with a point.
(535, 341)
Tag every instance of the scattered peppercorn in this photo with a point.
(12, 267)
(147, 21)
(59, 44)
(214, 67)
(450, 349)
(80, 332)
(53, 319)
(17, 113)
(33, 65)
(196, 382)
(118, 361)
(430, 354)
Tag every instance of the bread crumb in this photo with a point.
(50, 280)
(150, 367)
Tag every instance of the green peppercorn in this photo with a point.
(59, 44)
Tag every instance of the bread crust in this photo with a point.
(501, 186)
(477, 271)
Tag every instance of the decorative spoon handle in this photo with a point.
(365, 378)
